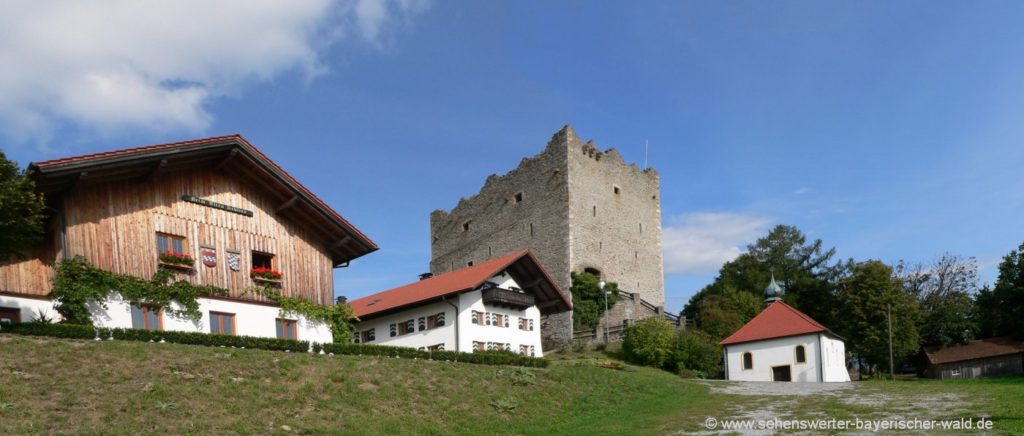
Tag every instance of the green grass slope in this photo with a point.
(66, 386)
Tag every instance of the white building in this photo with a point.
(495, 305)
(784, 344)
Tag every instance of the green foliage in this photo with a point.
(337, 316)
(504, 405)
(479, 357)
(864, 297)
(697, 354)
(75, 331)
(1002, 308)
(722, 314)
(649, 342)
(944, 290)
(588, 299)
(803, 270)
(77, 284)
(21, 211)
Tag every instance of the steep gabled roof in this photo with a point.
(978, 349)
(778, 320)
(230, 153)
(521, 265)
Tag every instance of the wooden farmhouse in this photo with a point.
(219, 201)
(782, 344)
(494, 305)
(979, 358)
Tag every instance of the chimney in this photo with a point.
(425, 276)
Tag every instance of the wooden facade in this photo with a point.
(114, 224)
(978, 358)
(976, 368)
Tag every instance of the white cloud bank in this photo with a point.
(121, 64)
(699, 243)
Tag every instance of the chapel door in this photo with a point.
(781, 374)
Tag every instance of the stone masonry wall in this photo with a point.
(525, 209)
(615, 211)
(562, 206)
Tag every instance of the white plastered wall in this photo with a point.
(774, 352)
(250, 319)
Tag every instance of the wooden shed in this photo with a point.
(978, 358)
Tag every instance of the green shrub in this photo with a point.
(189, 338)
(480, 357)
(649, 342)
(695, 354)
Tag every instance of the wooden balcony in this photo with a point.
(507, 298)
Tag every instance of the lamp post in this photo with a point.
(600, 285)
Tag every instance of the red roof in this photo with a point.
(238, 139)
(462, 280)
(977, 349)
(778, 320)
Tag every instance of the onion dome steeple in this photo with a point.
(773, 292)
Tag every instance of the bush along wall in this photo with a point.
(483, 357)
(75, 331)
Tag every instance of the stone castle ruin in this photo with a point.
(577, 209)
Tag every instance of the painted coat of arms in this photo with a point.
(209, 257)
(234, 261)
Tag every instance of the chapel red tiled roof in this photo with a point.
(450, 283)
(245, 144)
(977, 349)
(778, 320)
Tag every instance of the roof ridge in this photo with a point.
(120, 151)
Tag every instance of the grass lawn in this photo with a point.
(67, 386)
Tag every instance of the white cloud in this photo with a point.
(801, 191)
(105, 66)
(699, 243)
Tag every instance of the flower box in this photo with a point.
(265, 275)
(173, 259)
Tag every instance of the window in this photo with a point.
(435, 321)
(465, 226)
(499, 320)
(615, 189)
(166, 242)
(478, 318)
(403, 328)
(801, 355)
(9, 315)
(262, 260)
(593, 271)
(479, 346)
(470, 263)
(147, 317)
(527, 350)
(367, 336)
(955, 372)
(287, 328)
(222, 323)
(748, 360)
(518, 198)
(524, 324)
(438, 347)
(595, 211)
(498, 346)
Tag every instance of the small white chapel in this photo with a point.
(782, 344)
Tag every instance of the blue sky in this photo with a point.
(891, 130)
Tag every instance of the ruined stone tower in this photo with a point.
(576, 208)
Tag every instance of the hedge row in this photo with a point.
(73, 331)
(174, 337)
(481, 357)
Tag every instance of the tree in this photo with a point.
(698, 352)
(21, 211)
(864, 297)
(1004, 307)
(944, 290)
(803, 270)
(649, 342)
(722, 314)
(588, 299)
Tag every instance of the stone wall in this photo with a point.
(562, 206)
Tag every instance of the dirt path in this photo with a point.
(766, 401)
